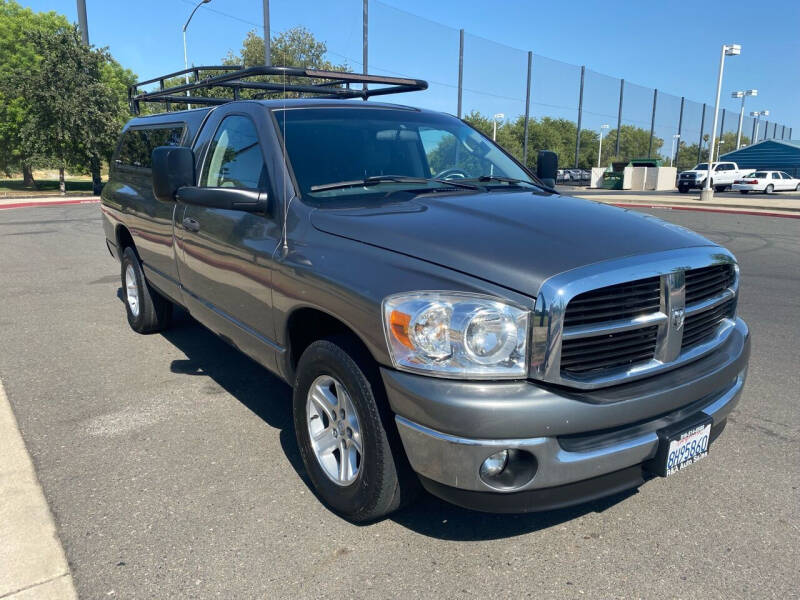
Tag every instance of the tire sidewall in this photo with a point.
(129, 258)
(769, 189)
(326, 358)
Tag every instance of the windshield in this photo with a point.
(368, 150)
(701, 167)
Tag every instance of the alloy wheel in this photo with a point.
(334, 430)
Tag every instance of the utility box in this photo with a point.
(614, 178)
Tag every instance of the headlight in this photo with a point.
(456, 335)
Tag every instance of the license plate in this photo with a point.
(681, 446)
(690, 447)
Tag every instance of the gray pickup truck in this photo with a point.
(442, 316)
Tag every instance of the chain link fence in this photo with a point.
(568, 108)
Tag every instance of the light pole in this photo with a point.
(495, 119)
(675, 139)
(742, 94)
(719, 145)
(185, 55)
(758, 114)
(727, 50)
(600, 149)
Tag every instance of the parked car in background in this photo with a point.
(562, 176)
(723, 174)
(576, 175)
(766, 182)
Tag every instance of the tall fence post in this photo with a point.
(783, 132)
(753, 139)
(619, 115)
(580, 116)
(766, 129)
(527, 110)
(83, 23)
(460, 69)
(700, 143)
(790, 133)
(680, 127)
(652, 124)
(365, 45)
(267, 36)
(774, 131)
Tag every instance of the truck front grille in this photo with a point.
(596, 354)
(611, 330)
(623, 301)
(708, 282)
(701, 326)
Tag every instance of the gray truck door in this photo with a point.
(225, 264)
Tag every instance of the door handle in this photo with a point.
(190, 224)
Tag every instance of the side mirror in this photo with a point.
(547, 167)
(173, 168)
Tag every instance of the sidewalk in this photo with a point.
(32, 562)
(784, 204)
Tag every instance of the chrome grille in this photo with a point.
(615, 302)
(585, 355)
(708, 282)
(587, 335)
(700, 326)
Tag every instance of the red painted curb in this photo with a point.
(729, 211)
(47, 203)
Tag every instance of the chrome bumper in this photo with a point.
(455, 461)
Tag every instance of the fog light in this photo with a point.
(495, 464)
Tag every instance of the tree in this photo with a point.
(18, 53)
(295, 47)
(558, 135)
(634, 142)
(74, 101)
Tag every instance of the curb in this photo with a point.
(724, 210)
(49, 203)
(32, 560)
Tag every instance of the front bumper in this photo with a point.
(691, 183)
(449, 428)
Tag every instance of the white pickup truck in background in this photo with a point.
(723, 174)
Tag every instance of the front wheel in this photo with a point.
(147, 310)
(683, 189)
(352, 456)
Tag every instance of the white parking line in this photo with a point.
(32, 561)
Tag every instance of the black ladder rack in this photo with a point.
(320, 84)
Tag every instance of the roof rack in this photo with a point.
(320, 84)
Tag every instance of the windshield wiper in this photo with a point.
(376, 179)
(488, 178)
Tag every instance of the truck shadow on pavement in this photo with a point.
(271, 400)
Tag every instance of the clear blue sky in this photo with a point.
(667, 45)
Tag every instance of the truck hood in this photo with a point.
(513, 239)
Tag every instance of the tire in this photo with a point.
(147, 310)
(743, 191)
(382, 480)
(769, 189)
(719, 188)
(797, 189)
(683, 189)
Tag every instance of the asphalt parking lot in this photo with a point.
(170, 464)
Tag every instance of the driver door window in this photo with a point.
(234, 158)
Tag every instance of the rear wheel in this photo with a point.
(147, 310)
(683, 189)
(345, 432)
(769, 189)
